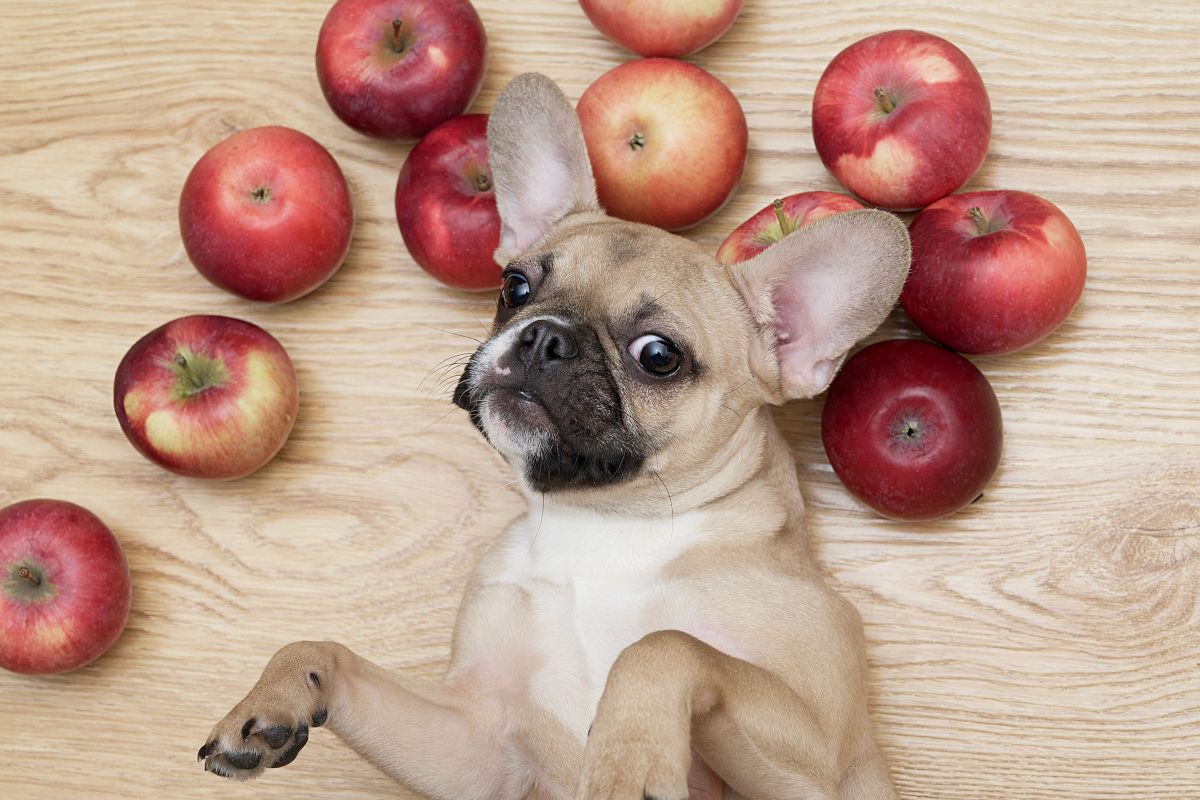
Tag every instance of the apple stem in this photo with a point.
(786, 225)
(398, 40)
(27, 574)
(187, 373)
(983, 225)
(884, 101)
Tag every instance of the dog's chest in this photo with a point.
(592, 586)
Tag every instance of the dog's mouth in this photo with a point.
(521, 406)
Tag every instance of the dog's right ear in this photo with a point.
(539, 162)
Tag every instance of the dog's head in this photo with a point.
(625, 356)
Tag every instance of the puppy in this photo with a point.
(655, 626)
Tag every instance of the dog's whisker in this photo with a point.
(670, 504)
(436, 422)
(454, 333)
(446, 366)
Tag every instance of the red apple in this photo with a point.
(670, 28)
(266, 214)
(207, 396)
(395, 69)
(66, 590)
(445, 206)
(993, 272)
(779, 219)
(912, 429)
(901, 119)
(667, 142)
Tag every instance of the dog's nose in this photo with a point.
(547, 340)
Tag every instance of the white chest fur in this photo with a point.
(594, 585)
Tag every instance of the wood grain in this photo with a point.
(1044, 644)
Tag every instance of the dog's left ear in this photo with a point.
(818, 291)
(539, 162)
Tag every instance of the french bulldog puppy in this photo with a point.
(655, 627)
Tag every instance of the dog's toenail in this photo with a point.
(243, 759)
(312, 676)
(216, 768)
(319, 717)
(277, 736)
(247, 728)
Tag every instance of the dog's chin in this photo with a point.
(523, 430)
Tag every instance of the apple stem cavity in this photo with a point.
(186, 372)
(28, 574)
(983, 224)
(637, 141)
(197, 374)
(27, 582)
(885, 103)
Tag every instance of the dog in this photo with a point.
(655, 626)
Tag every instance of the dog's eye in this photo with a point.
(657, 355)
(515, 291)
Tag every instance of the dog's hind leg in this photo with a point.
(670, 692)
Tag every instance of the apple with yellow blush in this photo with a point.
(667, 142)
(901, 119)
(207, 396)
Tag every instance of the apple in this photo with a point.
(395, 69)
(66, 589)
(266, 214)
(901, 119)
(779, 219)
(207, 396)
(993, 272)
(912, 429)
(666, 139)
(446, 208)
(669, 28)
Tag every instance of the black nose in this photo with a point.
(545, 341)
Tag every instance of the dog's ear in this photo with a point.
(539, 162)
(818, 291)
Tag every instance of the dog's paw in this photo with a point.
(270, 726)
(634, 768)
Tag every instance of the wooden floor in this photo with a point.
(1043, 644)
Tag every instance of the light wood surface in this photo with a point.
(1044, 643)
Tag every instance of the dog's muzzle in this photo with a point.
(542, 392)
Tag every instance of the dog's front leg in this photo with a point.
(429, 736)
(670, 692)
